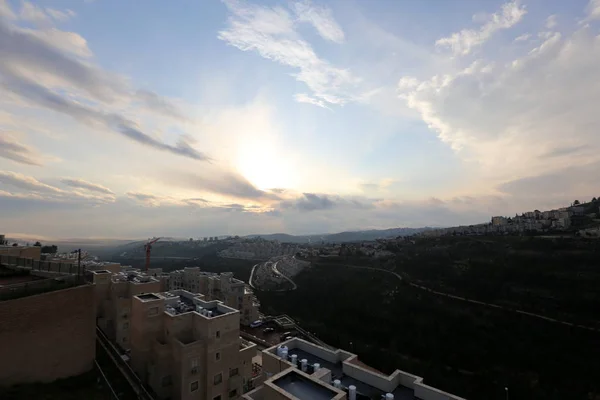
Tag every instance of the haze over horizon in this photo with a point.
(122, 119)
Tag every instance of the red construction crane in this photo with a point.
(148, 247)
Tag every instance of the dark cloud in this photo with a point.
(564, 151)
(17, 152)
(142, 196)
(218, 181)
(81, 184)
(315, 202)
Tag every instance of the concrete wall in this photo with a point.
(429, 393)
(33, 252)
(47, 336)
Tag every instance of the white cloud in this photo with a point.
(321, 19)
(68, 42)
(83, 184)
(304, 98)
(551, 21)
(32, 13)
(463, 42)
(505, 119)
(6, 10)
(593, 10)
(523, 38)
(271, 33)
(60, 16)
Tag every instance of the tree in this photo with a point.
(38, 244)
(576, 202)
(49, 249)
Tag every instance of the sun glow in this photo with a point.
(265, 165)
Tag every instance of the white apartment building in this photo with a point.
(185, 347)
(224, 287)
(299, 370)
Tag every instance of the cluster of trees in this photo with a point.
(465, 349)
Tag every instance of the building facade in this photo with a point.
(185, 347)
(113, 295)
(48, 330)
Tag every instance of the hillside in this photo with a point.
(457, 345)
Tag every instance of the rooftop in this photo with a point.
(337, 372)
(182, 301)
(303, 388)
(148, 296)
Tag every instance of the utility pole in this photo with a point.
(79, 263)
(506, 390)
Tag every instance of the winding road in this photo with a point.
(425, 288)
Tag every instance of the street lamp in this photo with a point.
(506, 390)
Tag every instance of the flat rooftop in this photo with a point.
(148, 296)
(181, 301)
(303, 388)
(401, 392)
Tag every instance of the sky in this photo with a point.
(125, 119)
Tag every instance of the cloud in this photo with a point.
(564, 151)
(218, 181)
(46, 57)
(61, 16)
(46, 98)
(159, 103)
(28, 183)
(33, 13)
(463, 42)
(593, 10)
(304, 98)
(551, 21)
(271, 33)
(15, 151)
(6, 11)
(320, 202)
(68, 42)
(82, 184)
(505, 119)
(321, 19)
(523, 38)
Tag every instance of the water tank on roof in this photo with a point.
(351, 392)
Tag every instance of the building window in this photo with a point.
(218, 378)
(233, 372)
(125, 340)
(166, 381)
(218, 334)
(233, 393)
(194, 386)
(126, 325)
(217, 356)
(153, 311)
(194, 366)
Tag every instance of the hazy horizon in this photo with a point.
(122, 119)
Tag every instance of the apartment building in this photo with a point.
(299, 370)
(26, 252)
(113, 294)
(224, 287)
(185, 347)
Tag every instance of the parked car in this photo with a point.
(256, 324)
(268, 330)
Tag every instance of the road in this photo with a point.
(451, 296)
(276, 271)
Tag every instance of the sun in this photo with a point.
(264, 165)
